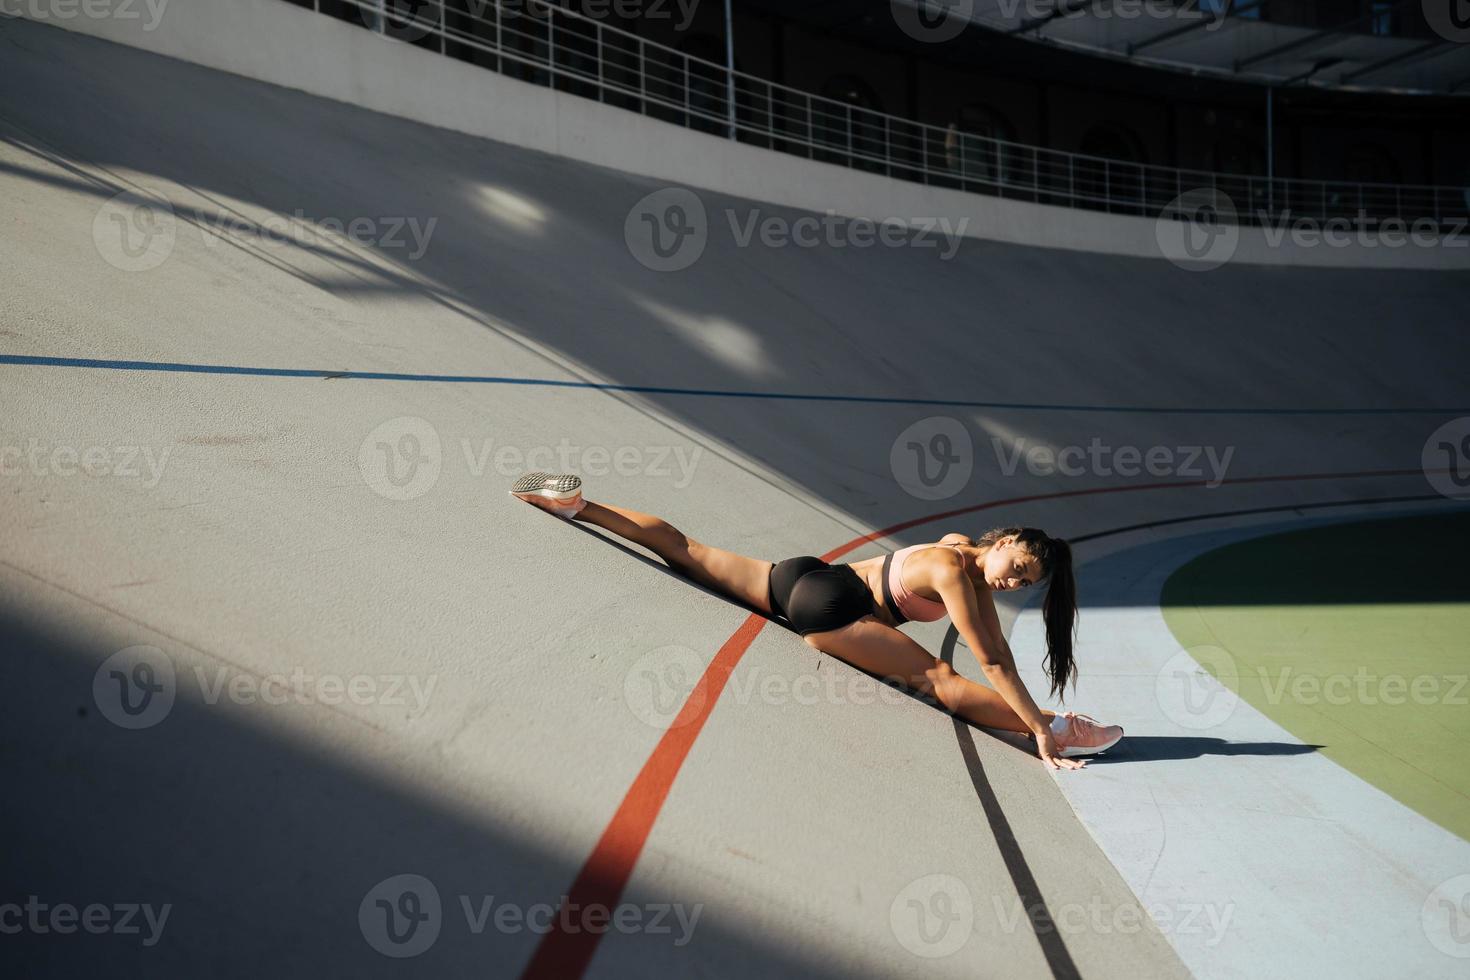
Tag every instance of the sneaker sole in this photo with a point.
(1089, 750)
(548, 485)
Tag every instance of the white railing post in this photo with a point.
(811, 132)
(924, 152)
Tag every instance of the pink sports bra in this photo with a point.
(910, 606)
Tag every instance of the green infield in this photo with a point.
(1355, 637)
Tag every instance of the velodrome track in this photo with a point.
(584, 723)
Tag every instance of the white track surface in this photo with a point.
(263, 548)
(1225, 822)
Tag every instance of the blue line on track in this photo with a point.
(262, 372)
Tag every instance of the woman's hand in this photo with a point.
(1046, 747)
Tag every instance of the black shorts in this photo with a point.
(814, 596)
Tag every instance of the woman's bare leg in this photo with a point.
(745, 579)
(880, 649)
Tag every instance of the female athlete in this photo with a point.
(853, 611)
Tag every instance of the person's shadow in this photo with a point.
(1143, 748)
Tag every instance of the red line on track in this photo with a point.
(564, 954)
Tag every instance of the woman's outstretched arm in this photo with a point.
(978, 623)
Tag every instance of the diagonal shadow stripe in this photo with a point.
(565, 954)
(1038, 914)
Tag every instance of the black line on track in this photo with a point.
(1053, 947)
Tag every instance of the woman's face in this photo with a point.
(1009, 566)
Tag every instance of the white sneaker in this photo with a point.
(1083, 735)
(556, 493)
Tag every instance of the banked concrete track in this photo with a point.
(306, 443)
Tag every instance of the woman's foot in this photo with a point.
(1077, 734)
(556, 493)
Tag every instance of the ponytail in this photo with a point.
(1059, 608)
(1059, 612)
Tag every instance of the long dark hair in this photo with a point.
(1059, 608)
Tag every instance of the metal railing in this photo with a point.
(538, 41)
